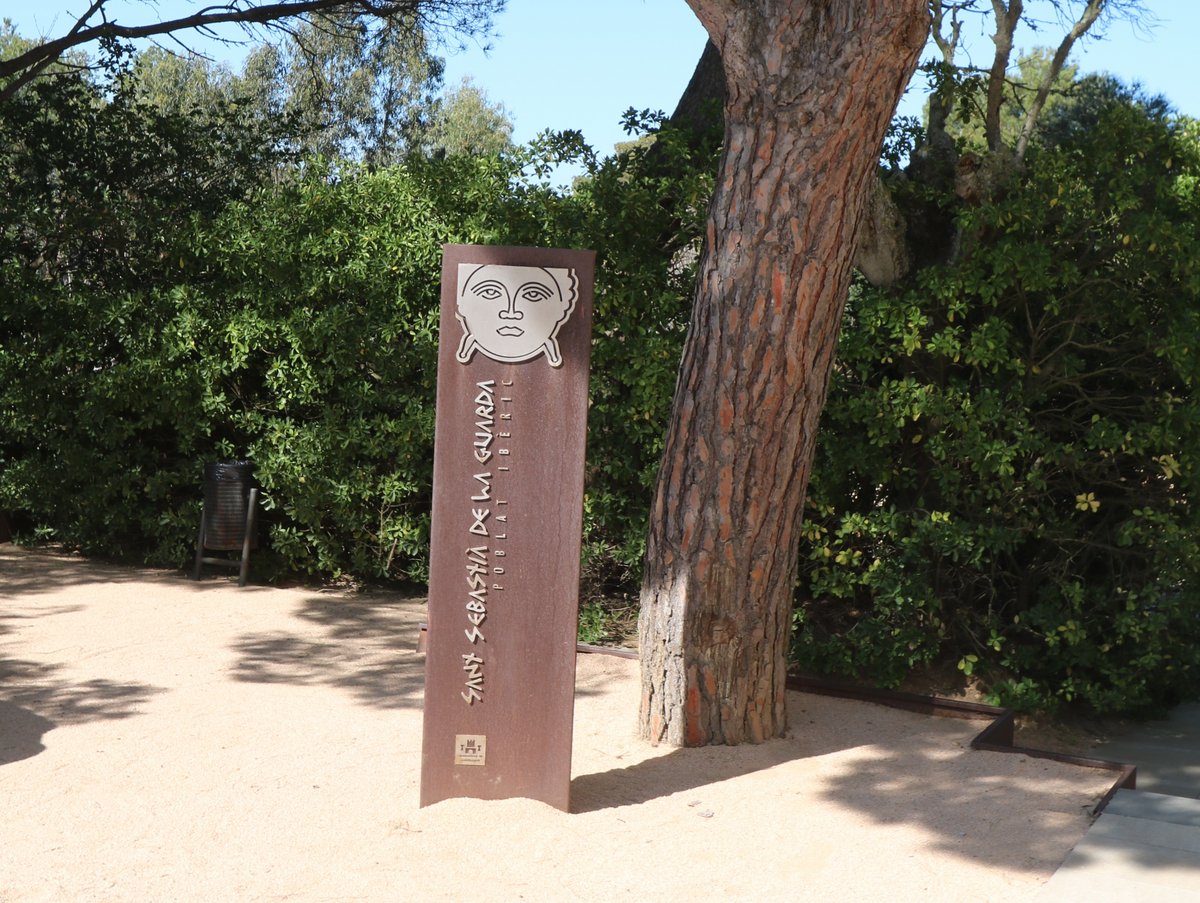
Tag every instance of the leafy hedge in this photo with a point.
(98, 430)
(296, 324)
(1008, 465)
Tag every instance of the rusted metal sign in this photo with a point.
(507, 519)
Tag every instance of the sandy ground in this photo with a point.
(163, 740)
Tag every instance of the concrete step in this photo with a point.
(1145, 847)
(1158, 807)
(1167, 752)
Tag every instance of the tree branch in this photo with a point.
(941, 101)
(37, 68)
(1086, 20)
(1006, 26)
(22, 68)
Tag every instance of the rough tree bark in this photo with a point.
(811, 86)
(881, 254)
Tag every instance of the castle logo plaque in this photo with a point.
(470, 749)
(507, 519)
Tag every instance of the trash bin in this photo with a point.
(227, 486)
(227, 522)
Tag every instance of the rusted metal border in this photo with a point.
(615, 651)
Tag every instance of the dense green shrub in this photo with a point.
(100, 194)
(311, 322)
(1009, 456)
(325, 363)
(643, 213)
(299, 329)
(296, 325)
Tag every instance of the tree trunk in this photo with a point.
(699, 107)
(1007, 19)
(811, 87)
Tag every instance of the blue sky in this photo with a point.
(580, 63)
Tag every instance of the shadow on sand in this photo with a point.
(20, 733)
(915, 778)
(34, 700)
(367, 646)
(26, 572)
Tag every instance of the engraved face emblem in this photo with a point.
(512, 313)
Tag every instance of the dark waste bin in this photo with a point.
(227, 486)
(227, 523)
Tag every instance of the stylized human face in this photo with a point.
(513, 313)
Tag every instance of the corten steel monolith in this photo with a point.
(507, 520)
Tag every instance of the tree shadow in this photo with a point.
(366, 646)
(967, 816)
(20, 733)
(36, 699)
(37, 686)
(1000, 809)
(690, 769)
(10, 620)
(890, 767)
(675, 772)
(25, 572)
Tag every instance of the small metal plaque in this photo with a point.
(470, 749)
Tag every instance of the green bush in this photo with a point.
(322, 371)
(310, 319)
(1010, 452)
(99, 430)
(296, 324)
(643, 212)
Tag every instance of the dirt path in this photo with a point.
(162, 740)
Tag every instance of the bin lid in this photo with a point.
(233, 471)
